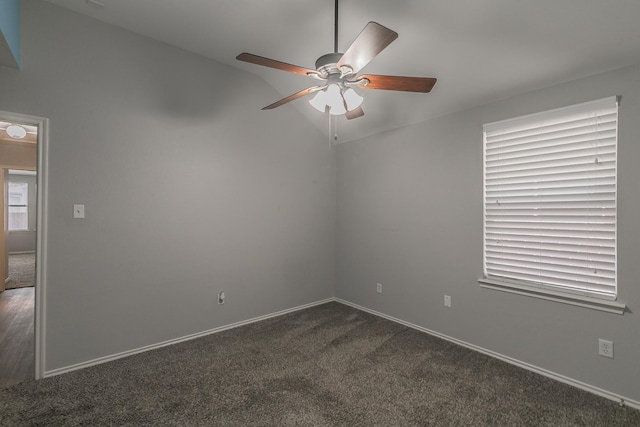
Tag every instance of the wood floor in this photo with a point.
(17, 350)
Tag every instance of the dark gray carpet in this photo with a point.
(22, 271)
(324, 366)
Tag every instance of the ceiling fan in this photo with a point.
(338, 73)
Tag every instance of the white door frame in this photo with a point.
(41, 232)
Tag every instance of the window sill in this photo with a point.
(578, 300)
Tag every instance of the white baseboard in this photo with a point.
(116, 356)
(555, 376)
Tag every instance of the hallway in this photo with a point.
(22, 270)
(17, 350)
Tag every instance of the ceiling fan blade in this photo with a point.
(370, 42)
(272, 63)
(407, 84)
(354, 114)
(292, 97)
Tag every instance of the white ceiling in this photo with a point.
(31, 137)
(480, 50)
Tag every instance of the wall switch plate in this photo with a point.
(447, 301)
(221, 297)
(605, 348)
(379, 288)
(78, 211)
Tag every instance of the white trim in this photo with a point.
(22, 172)
(551, 295)
(21, 252)
(127, 353)
(41, 236)
(41, 245)
(549, 374)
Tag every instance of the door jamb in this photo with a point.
(41, 235)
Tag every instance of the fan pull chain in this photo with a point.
(333, 130)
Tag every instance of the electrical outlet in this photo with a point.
(447, 301)
(379, 288)
(605, 348)
(221, 297)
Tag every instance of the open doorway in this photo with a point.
(20, 240)
(21, 157)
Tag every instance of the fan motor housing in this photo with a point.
(326, 64)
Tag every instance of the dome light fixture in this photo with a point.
(16, 131)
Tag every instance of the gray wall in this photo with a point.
(132, 120)
(24, 241)
(409, 215)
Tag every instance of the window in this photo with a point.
(550, 202)
(18, 206)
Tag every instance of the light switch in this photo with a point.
(447, 301)
(78, 211)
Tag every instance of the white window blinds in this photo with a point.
(550, 199)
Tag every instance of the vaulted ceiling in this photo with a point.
(480, 50)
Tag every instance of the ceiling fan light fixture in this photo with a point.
(319, 102)
(16, 131)
(352, 99)
(335, 100)
(339, 72)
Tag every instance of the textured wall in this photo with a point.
(409, 215)
(188, 189)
